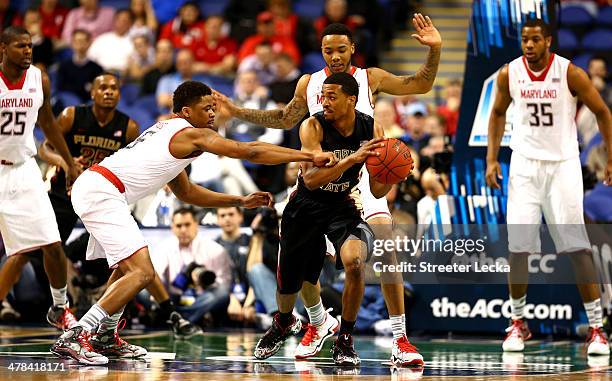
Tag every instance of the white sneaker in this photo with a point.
(315, 337)
(517, 334)
(598, 344)
(403, 353)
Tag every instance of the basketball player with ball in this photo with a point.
(321, 206)
(545, 173)
(337, 48)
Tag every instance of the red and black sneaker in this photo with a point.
(275, 337)
(74, 343)
(61, 317)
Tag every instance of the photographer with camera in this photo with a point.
(436, 160)
(196, 271)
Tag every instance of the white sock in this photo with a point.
(111, 322)
(316, 314)
(59, 296)
(92, 318)
(594, 313)
(517, 306)
(398, 325)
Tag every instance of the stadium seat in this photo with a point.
(582, 60)
(213, 7)
(575, 16)
(117, 4)
(598, 40)
(129, 93)
(567, 40)
(594, 142)
(312, 62)
(604, 18)
(310, 9)
(598, 203)
(66, 98)
(148, 104)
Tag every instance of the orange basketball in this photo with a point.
(394, 163)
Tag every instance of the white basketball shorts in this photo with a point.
(27, 221)
(549, 188)
(114, 234)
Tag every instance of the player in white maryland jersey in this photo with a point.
(27, 221)
(337, 48)
(545, 173)
(102, 193)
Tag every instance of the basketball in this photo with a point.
(393, 164)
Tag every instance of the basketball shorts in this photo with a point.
(552, 189)
(27, 221)
(371, 207)
(114, 234)
(305, 224)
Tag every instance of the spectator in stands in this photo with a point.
(250, 94)
(281, 198)
(401, 108)
(8, 15)
(42, 47)
(288, 24)
(117, 41)
(286, 78)
(90, 17)
(415, 135)
(53, 16)
(187, 29)
(222, 174)
(266, 32)
(598, 71)
(164, 64)
(196, 271)
(145, 21)
(142, 59)
(215, 54)
(434, 125)
(384, 112)
(237, 245)
(241, 15)
(262, 62)
(335, 11)
(76, 74)
(450, 109)
(169, 82)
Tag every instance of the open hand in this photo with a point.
(493, 173)
(426, 32)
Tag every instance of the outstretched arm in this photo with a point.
(284, 118)
(497, 125)
(422, 81)
(580, 84)
(193, 194)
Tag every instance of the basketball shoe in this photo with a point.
(343, 351)
(518, 332)
(74, 343)
(109, 344)
(274, 337)
(597, 342)
(61, 317)
(182, 328)
(315, 337)
(404, 353)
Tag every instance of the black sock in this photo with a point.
(346, 327)
(166, 308)
(284, 318)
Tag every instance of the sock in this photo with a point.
(346, 327)
(398, 325)
(92, 318)
(594, 313)
(316, 314)
(111, 322)
(166, 308)
(284, 318)
(59, 296)
(517, 306)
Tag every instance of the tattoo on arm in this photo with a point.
(427, 72)
(284, 119)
